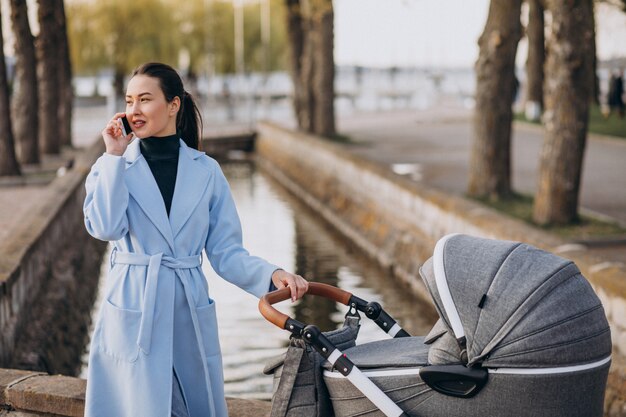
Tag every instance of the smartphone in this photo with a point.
(126, 130)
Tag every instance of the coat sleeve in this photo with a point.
(107, 199)
(224, 246)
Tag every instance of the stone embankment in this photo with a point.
(49, 271)
(35, 394)
(398, 221)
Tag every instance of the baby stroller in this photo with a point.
(520, 333)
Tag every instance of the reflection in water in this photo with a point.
(317, 261)
(327, 257)
(280, 229)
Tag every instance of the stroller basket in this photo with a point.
(521, 333)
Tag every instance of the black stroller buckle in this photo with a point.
(454, 380)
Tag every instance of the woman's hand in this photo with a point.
(298, 285)
(114, 140)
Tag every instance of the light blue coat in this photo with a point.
(156, 314)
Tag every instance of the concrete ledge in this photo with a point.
(33, 269)
(57, 395)
(238, 407)
(219, 147)
(8, 377)
(26, 394)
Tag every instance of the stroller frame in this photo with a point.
(454, 380)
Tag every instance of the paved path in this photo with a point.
(434, 148)
(17, 198)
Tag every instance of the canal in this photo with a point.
(279, 228)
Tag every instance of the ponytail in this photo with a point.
(188, 119)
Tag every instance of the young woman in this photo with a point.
(155, 349)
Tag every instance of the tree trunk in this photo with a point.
(294, 39)
(25, 97)
(66, 93)
(118, 85)
(8, 160)
(595, 95)
(311, 40)
(295, 35)
(49, 132)
(569, 87)
(535, 61)
(324, 75)
(490, 163)
(309, 67)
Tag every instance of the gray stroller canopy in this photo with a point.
(512, 305)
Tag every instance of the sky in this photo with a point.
(441, 33)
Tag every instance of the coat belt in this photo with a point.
(154, 263)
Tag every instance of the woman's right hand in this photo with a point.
(114, 140)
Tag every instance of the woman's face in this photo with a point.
(147, 110)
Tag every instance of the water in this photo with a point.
(280, 229)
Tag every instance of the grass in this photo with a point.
(613, 126)
(521, 207)
(339, 138)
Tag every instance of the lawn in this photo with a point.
(521, 207)
(613, 126)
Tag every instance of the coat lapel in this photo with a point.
(192, 179)
(143, 188)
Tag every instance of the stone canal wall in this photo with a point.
(49, 271)
(33, 394)
(398, 221)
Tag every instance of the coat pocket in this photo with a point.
(120, 329)
(207, 319)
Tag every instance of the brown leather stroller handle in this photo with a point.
(315, 288)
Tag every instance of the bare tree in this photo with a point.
(322, 18)
(490, 164)
(536, 57)
(296, 41)
(535, 60)
(569, 88)
(310, 33)
(47, 71)
(8, 160)
(24, 102)
(66, 92)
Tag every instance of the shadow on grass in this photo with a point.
(520, 207)
(611, 126)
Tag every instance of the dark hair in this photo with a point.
(188, 119)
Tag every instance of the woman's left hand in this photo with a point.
(298, 285)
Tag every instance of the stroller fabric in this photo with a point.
(527, 317)
(299, 388)
(518, 306)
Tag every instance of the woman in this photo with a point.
(155, 349)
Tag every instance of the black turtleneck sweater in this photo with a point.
(161, 153)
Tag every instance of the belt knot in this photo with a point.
(154, 263)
